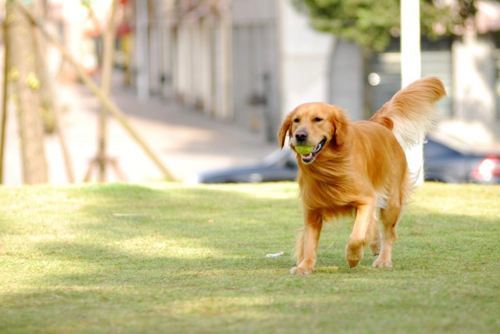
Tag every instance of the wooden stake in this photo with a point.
(48, 96)
(106, 102)
(64, 147)
(107, 67)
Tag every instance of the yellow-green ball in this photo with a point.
(303, 149)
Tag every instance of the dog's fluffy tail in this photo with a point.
(411, 113)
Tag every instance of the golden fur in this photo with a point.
(360, 166)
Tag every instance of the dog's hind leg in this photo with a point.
(373, 234)
(390, 217)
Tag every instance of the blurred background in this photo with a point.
(204, 84)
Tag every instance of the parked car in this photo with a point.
(278, 166)
(442, 163)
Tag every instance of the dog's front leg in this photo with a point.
(308, 243)
(364, 216)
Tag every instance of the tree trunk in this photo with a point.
(23, 76)
(5, 96)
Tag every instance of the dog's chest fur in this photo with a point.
(319, 194)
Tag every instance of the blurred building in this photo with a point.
(251, 62)
(248, 62)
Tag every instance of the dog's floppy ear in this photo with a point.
(340, 126)
(285, 126)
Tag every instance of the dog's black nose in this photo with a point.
(301, 136)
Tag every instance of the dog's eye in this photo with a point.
(317, 119)
(296, 120)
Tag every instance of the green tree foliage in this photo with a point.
(372, 23)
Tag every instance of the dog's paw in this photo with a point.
(382, 263)
(375, 247)
(353, 253)
(300, 270)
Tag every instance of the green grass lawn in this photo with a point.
(168, 258)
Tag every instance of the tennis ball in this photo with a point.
(303, 149)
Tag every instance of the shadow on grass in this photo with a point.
(177, 231)
(185, 254)
(193, 230)
(204, 229)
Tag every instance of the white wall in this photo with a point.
(346, 88)
(304, 59)
(474, 80)
(252, 11)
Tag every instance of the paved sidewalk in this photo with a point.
(187, 141)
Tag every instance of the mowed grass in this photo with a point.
(174, 259)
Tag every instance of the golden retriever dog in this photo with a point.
(357, 167)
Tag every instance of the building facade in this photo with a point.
(251, 62)
(247, 62)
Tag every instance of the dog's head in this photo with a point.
(316, 125)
